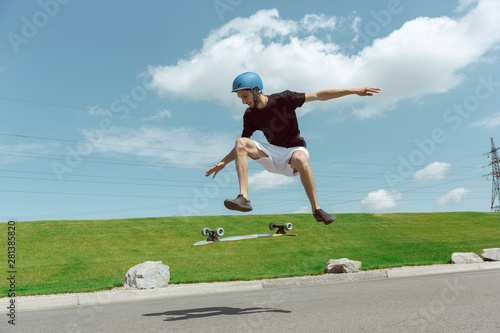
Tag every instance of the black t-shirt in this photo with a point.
(277, 120)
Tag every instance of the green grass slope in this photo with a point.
(81, 256)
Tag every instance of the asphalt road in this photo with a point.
(460, 302)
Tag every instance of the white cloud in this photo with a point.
(267, 180)
(464, 4)
(488, 123)
(312, 22)
(183, 146)
(21, 152)
(454, 196)
(160, 115)
(380, 200)
(424, 56)
(355, 26)
(433, 171)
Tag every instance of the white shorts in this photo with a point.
(278, 158)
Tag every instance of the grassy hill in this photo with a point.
(81, 256)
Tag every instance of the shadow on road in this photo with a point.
(210, 312)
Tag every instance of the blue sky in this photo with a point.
(115, 109)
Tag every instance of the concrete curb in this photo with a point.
(119, 295)
(324, 279)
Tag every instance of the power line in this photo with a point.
(399, 142)
(262, 195)
(96, 194)
(109, 144)
(128, 114)
(43, 103)
(161, 149)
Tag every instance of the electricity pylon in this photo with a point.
(495, 174)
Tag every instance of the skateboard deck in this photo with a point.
(235, 238)
(212, 235)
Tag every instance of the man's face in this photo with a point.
(246, 97)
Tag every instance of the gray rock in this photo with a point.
(491, 254)
(342, 265)
(465, 258)
(148, 275)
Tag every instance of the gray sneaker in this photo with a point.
(240, 203)
(321, 216)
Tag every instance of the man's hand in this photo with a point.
(367, 91)
(215, 169)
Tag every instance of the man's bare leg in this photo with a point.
(298, 162)
(241, 160)
(244, 147)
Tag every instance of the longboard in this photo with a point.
(212, 235)
(234, 238)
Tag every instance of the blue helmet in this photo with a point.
(248, 80)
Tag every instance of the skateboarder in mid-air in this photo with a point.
(286, 152)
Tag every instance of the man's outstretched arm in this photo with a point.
(325, 95)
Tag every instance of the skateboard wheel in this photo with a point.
(219, 232)
(272, 226)
(288, 226)
(205, 231)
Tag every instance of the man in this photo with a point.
(286, 151)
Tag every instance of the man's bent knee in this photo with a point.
(244, 144)
(299, 161)
(249, 147)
